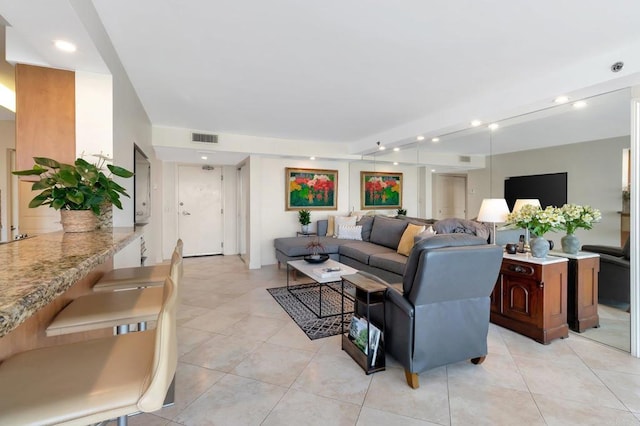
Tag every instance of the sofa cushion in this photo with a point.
(392, 262)
(362, 250)
(367, 224)
(387, 231)
(321, 227)
(406, 242)
(348, 232)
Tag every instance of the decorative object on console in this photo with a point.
(80, 187)
(520, 202)
(380, 190)
(538, 222)
(493, 210)
(576, 217)
(311, 189)
(304, 217)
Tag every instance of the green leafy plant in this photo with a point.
(536, 220)
(304, 217)
(81, 186)
(576, 216)
(402, 212)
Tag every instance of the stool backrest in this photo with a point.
(165, 357)
(179, 246)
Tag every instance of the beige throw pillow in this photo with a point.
(406, 242)
(334, 222)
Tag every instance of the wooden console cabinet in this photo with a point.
(530, 297)
(582, 290)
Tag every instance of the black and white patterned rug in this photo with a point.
(314, 327)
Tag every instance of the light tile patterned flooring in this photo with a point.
(243, 361)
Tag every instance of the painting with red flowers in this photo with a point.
(311, 189)
(381, 190)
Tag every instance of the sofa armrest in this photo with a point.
(610, 250)
(395, 297)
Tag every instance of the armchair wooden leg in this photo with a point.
(412, 379)
(478, 360)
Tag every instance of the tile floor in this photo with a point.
(243, 361)
(614, 330)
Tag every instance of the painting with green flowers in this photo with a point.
(380, 190)
(311, 189)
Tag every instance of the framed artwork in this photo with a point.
(311, 189)
(380, 190)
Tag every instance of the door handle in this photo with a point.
(186, 213)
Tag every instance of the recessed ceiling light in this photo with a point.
(204, 157)
(476, 123)
(493, 126)
(435, 140)
(65, 46)
(312, 158)
(579, 104)
(433, 170)
(420, 138)
(382, 148)
(561, 99)
(396, 149)
(395, 163)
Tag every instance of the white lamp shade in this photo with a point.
(520, 202)
(493, 210)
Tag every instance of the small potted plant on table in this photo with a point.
(304, 217)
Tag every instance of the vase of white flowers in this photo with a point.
(538, 222)
(576, 217)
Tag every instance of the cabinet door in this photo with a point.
(522, 299)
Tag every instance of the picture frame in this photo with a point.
(311, 189)
(380, 190)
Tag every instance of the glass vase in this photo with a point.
(570, 244)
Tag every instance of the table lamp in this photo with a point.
(493, 210)
(520, 202)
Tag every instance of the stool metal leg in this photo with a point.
(170, 399)
(142, 326)
(122, 329)
(122, 421)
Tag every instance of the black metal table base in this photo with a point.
(320, 286)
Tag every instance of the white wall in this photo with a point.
(94, 115)
(593, 177)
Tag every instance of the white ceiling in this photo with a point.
(350, 72)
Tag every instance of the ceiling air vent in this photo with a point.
(203, 137)
(464, 159)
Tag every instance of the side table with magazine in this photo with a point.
(363, 341)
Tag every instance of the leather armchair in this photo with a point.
(442, 314)
(614, 280)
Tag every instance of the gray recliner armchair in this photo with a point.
(614, 279)
(442, 314)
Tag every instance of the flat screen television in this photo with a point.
(550, 189)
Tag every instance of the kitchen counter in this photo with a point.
(35, 271)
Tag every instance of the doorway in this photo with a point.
(200, 210)
(450, 196)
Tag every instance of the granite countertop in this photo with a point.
(36, 270)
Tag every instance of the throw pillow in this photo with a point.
(348, 232)
(367, 224)
(406, 242)
(427, 233)
(343, 220)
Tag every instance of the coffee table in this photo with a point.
(322, 280)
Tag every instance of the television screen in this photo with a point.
(550, 189)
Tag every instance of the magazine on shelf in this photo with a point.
(328, 272)
(358, 332)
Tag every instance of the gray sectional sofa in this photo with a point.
(377, 252)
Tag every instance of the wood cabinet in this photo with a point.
(530, 297)
(582, 290)
(45, 115)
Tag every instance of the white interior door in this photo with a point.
(200, 209)
(450, 197)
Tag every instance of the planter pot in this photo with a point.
(105, 219)
(305, 229)
(78, 220)
(570, 244)
(539, 247)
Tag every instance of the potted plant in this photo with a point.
(402, 213)
(79, 191)
(538, 222)
(304, 217)
(576, 217)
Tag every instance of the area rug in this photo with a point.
(314, 327)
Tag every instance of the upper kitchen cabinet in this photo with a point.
(45, 115)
